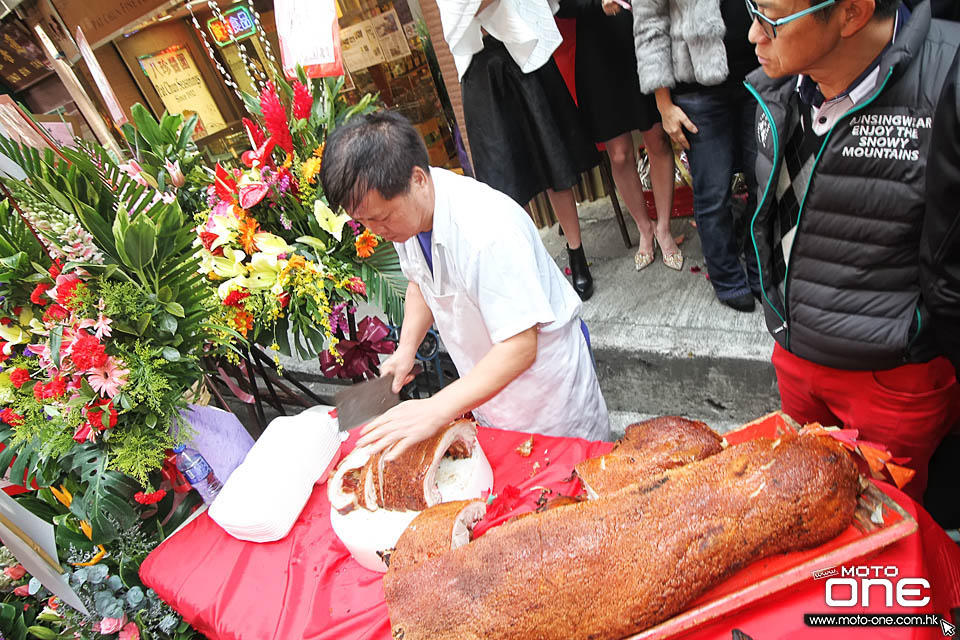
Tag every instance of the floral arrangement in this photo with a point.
(283, 262)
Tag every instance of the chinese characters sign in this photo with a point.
(182, 89)
(309, 35)
(22, 63)
(239, 25)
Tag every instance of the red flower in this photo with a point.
(55, 269)
(83, 433)
(55, 313)
(67, 288)
(86, 352)
(53, 602)
(11, 417)
(23, 591)
(95, 414)
(38, 291)
(6, 321)
(19, 376)
(357, 285)
(284, 299)
(234, 298)
(254, 132)
(149, 498)
(275, 117)
(207, 238)
(3, 351)
(15, 572)
(55, 388)
(17, 310)
(38, 391)
(302, 101)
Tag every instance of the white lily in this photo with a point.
(230, 264)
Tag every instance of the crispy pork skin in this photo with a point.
(647, 449)
(607, 568)
(410, 481)
(437, 530)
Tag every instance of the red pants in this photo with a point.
(909, 409)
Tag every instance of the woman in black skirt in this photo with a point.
(525, 133)
(612, 106)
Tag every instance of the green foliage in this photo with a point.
(386, 284)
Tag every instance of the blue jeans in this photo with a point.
(726, 142)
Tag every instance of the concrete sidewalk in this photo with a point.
(662, 341)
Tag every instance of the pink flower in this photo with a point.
(134, 171)
(109, 378)
(101, 327)
(15, 572)
(177, 178)
(23, 591)
(130, 632)
(112, 625)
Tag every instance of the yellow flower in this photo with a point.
(248, 230)
(310, 169)
(87, 529)
(264, 269)
(95, 559)
(271, 244)
(230, 264)
(14, 334)
(328, 220)
(62, 495)
(319, 150)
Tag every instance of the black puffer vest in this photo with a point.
(851, 297)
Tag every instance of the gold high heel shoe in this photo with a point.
(643, 260)
(673, 260)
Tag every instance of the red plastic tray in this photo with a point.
(774, 574)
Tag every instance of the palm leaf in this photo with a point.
(386, 284)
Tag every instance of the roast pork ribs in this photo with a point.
(607, 568)
(406, 483)
(646, 450)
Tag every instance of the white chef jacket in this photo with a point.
(492, 279)
(525, 27)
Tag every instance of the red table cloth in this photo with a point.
(308, 586)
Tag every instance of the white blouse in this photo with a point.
(525, 27)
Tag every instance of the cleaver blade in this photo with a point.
(361, 403)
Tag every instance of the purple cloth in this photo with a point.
(219, 437)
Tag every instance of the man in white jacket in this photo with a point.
(477, 268)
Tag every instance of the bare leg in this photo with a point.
(565, 206)
(662, 174)
(623, 164)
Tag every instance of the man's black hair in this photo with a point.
(375, 151)
(883, 9)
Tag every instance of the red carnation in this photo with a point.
(302, 101)
(38, 291)
(15, 572)
(55, 388)
(67, 288)
(11, 417)
(95, 414)
(149, 498)
(234, 298)
(86, 352)
(55, 313)
(357, 285)
(6, 321)
(54, 270)
(275, 117)
(17, 310)
(19, 376)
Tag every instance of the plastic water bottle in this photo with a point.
(197, 472)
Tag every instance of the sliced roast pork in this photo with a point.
(436, 530)
(343, 487)
(648, 449)
(410, 481)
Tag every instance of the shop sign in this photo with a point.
(100, 78)
(309, 35)
(103, 20)
(22, 62)
(237, 25)
(181, 88)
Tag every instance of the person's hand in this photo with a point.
(674, 122)
(406, 424)
(610, 7)
(400, 366)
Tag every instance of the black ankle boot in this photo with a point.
(580, 272)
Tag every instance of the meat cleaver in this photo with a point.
(360, 403)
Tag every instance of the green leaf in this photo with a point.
(314, 243)
(252, 103)
(168, 323)
(146, 125)
(142, 323)
(140, 243)
(43, 633)
(186, 133)
(175, 308)
(171, 354)
(165, 294)
(56, 340)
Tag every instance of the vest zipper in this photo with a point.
(761, 202)
(806, 192)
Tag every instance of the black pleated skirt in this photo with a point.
(525, 131)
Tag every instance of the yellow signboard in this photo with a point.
(182, 89)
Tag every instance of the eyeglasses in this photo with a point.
(770, 26)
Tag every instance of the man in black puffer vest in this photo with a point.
(847, 95)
